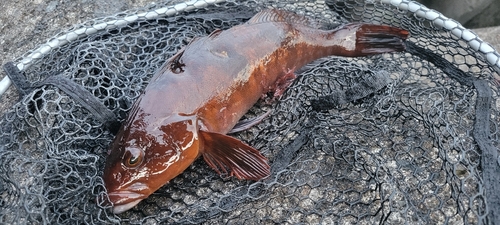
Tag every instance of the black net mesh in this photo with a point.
(398, 138)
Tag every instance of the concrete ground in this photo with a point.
(470, 13)
(24, 25)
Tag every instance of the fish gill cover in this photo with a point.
(407, 137)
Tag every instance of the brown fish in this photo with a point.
(201, 93)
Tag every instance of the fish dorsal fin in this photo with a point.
(224, 153)
(281, 16)
(215, 33)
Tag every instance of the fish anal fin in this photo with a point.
(284, 82)
(227, 154)
(276, 90)
(278, 16)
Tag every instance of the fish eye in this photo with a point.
(133, 157)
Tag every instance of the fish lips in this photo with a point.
(123, 200)
(122, 208)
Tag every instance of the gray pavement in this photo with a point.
(25, 24)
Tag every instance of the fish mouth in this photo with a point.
(122, 208)
(124, 200)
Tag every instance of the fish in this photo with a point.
(200, 94)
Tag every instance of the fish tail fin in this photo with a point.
(375, 39)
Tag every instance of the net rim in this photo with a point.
(455, 28)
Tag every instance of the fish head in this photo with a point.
(140, 161)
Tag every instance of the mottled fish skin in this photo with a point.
(199, 95)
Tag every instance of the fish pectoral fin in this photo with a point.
(224, 153)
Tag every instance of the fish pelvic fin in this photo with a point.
(246, 124)
(227, 154)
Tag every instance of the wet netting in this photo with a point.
(409, 137)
